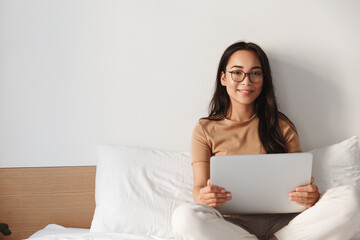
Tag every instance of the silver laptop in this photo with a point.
(261, 183)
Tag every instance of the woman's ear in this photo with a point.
(222, 79)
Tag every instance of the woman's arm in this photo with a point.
(203, 191)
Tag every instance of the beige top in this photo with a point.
(227, 137)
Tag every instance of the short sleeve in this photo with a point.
(291, 137)
(200, 148)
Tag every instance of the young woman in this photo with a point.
(244, 119)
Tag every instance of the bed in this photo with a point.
(135, 190)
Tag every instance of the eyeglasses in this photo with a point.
(239, 76)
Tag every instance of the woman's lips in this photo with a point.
(245, 91)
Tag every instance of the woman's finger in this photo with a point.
(212, 188)
(213, 195)
(213, 199)
(307, 188)
(309, 199)
(214, 202)
(303, 194)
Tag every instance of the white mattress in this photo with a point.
(57, 232)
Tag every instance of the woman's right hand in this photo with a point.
(213, 196)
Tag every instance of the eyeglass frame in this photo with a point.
(231, 73)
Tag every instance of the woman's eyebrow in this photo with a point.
(237, 66)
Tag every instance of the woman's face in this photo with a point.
(245, 92)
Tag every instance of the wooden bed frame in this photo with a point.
(31, 198)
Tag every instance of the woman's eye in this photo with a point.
(256, 73)
(237, 72)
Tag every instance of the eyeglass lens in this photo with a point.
(255, 76)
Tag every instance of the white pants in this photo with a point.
(336, 216)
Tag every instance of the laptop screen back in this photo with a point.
(261, 183)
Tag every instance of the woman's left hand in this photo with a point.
(306, 195)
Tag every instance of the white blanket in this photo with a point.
(57, 232)
(94, 236)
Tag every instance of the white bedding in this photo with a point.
(57, 232)
(53, 229)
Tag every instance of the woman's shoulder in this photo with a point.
(285, 124)
(201, 130)
(205, 122)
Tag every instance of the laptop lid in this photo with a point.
(261, 183)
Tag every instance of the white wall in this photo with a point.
(75, 74)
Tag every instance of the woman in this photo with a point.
(244, 119)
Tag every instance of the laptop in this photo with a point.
(260, 184)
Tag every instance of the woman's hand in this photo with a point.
(213, 196)
(306, 195)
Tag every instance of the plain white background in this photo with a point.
(76, 74)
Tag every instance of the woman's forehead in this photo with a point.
(244, 59)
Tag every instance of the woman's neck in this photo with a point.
(240, 113)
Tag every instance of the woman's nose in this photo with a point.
(246, 80)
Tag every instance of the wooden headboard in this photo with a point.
(31, 198)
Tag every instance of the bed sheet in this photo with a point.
(53, 229)
(57, 232)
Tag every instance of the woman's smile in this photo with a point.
(245, 91)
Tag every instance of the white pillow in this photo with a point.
(337, 165)
(137, 189)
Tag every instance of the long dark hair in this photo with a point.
(265, 105)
